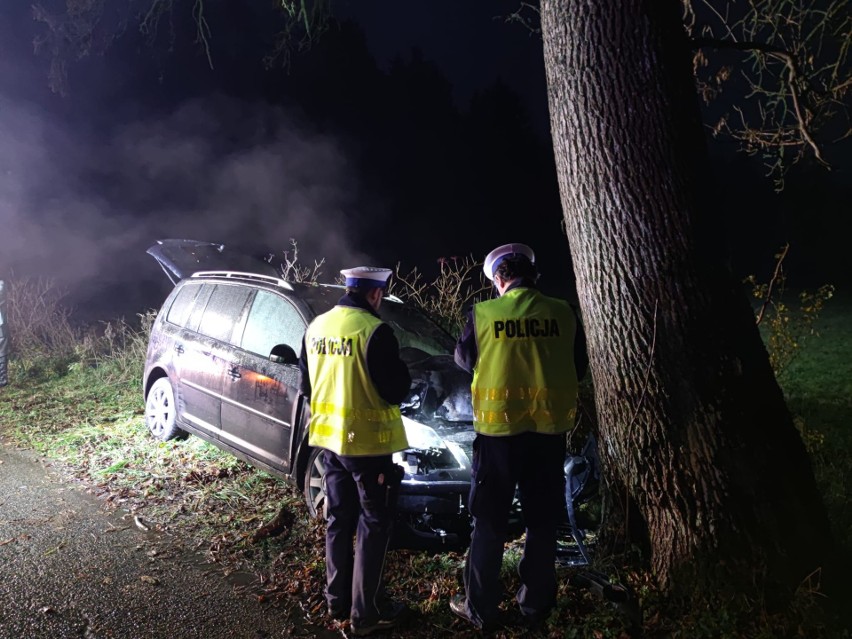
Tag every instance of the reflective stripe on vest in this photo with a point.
(348, 416)
(524, 379)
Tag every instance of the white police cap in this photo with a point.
(493, 259)
(366, 276)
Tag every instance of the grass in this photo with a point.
(818, 387)
(87, 418)
(95, 429)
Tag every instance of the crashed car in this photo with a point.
(222, 364)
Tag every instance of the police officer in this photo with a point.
(520, 348)
(354, 377)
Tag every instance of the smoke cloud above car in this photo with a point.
(83, 205)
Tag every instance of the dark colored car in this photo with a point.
(222, 364)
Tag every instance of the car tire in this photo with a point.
(161, 411)
(314, 484)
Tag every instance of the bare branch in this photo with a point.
(522, 17)
(202, 29)
(445, 298)
(772, 282)
(292, 271)
(796, 73)
(792, 77)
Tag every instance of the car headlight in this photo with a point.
(459, 454)
(428, 450)
(421, 436)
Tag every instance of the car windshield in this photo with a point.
(412, 328)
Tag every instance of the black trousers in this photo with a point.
(361, 495)
(532, 463)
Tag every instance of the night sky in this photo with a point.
(410, 132)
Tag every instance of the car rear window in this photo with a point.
(272, 321)
(222, 311)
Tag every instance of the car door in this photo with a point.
(204, 350)
(258, 401)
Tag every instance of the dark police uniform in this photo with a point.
(352, 372)
(521, 350)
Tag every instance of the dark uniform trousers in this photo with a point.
(358, 505)
(534, 463)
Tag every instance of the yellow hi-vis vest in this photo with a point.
(348, 416)
(524, 379)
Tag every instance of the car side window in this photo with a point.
(198, 307)
(223, 310)
(182, 304)
(272, 320)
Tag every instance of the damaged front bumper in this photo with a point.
(432, 502)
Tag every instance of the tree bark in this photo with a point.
(694, 431)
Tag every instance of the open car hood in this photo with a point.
(182, 258)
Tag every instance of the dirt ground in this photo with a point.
(70, 568)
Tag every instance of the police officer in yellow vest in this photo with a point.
(354, 377)
(520, 348)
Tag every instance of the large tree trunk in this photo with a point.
(694, 430)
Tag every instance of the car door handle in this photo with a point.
(179, 349)
(234, 373)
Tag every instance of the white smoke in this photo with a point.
(84, 206)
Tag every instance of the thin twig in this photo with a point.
(775, 276)
(203, 32)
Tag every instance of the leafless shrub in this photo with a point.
(458, 284)
(44, 338)
(786, 328)
(292, 271)
(39, 323)
(116, 348)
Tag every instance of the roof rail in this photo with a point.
(246, 277)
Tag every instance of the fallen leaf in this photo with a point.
(149, 580)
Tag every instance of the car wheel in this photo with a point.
(161, 411)
(314, 484)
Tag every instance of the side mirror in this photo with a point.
(283, 354)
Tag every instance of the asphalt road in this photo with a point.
(71, 568)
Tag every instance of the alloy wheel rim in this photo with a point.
(316, 490)
(159, 411)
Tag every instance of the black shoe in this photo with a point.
(338, 615)
(392, 615)
(458, 604)
(534, 622)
